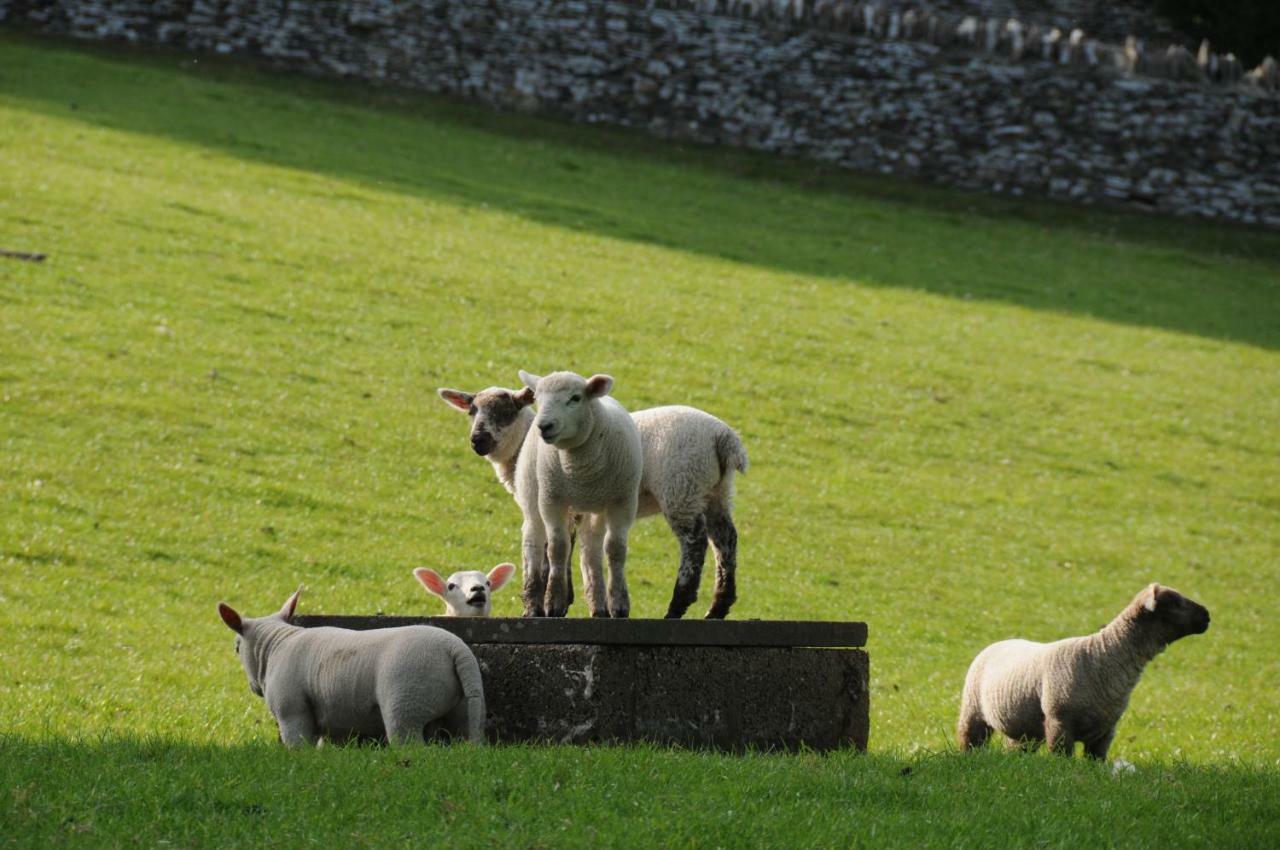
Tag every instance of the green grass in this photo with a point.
(968, 418)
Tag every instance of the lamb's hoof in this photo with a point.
(620, 615)
(672, 614)
(717, 614)
(534, 612)
(604, 615)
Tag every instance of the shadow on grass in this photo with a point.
(1207, 279)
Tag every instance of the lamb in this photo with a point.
(1074, 689)
(690, 458)
(398, 683)
(467, 593)
(583, 456)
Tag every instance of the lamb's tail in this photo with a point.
(730, 451)
(468, 670)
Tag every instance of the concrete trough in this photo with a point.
(719, 684)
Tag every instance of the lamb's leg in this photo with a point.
(1096, 747)
(298, 728)
(1058, 736)
(556, 600)
(692, 534)
(972, 731)
(592, 531)
(724, 540)
(617, 525)
(533, 555)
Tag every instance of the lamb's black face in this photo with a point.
(492, 412)
(1183, 616)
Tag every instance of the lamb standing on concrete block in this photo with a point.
(582, 456)
(690, 458)
(338, 684)
(467, 593)
(1074, 689)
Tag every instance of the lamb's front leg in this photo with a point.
(533, 552)
(617, 525)
(556, 521)
(591, 532)
(1058, 737)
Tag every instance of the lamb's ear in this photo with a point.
(500, 575)
(430, 579)
(1149, 596)
(599, 385)
(530, 380)
(457, 398)
(286, 611)
(524, 398)
(231, 618)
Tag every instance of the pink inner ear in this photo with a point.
(430, 579)
(500, 575)
(290, 605)
(459, 400)
(230, 617)
(599, 385)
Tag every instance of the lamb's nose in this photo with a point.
(546, 428)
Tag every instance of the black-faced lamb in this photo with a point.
(581, 457)
(467, 593)
(1074, 689)
(403, 684)
(690, 458)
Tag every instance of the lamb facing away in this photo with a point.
(582, 456)
(1074, 689)
(467, 593)
(401, 683)
(690, 458)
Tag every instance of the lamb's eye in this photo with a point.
(575, 398)
(488, 584)
(471, 411)
(452, 586)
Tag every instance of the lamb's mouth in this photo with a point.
(476, 601)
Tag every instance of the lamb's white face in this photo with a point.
(566, 415)
(467, 593)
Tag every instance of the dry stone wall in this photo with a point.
(994, 104)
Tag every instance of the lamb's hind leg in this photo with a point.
(972, 731)
(724, 540)
(692, 534)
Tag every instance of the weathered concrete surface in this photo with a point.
(702, 697)
(629, 632)
(721, 684)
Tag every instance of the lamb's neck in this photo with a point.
(269, 636)
(504, 461)
(1126, 647)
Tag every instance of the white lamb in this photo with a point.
(690, 458)
(467, 593)
(582, 456)
(1074, 689)
(399, 683)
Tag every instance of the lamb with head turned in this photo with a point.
(1074, 689)
(402, 684)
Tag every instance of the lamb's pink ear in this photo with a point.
(530, 380)
(524, 398)
(1149, 596)
(599, 385)
(231, 618)
(500, 575)
(457, 398)
(430, 579)
(286, 611)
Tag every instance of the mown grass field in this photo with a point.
(968, 419)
